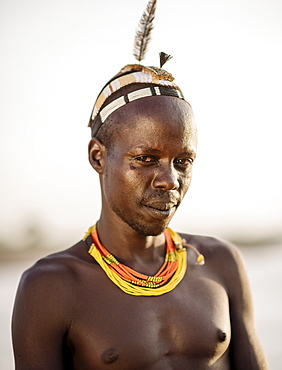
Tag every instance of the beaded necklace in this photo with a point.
(132, 282)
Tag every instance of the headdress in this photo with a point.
(148, 81)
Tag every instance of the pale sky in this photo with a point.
(57, 54)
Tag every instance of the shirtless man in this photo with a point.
(70, 314)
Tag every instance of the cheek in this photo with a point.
(125, 181)
(135, 179)
(186, 181)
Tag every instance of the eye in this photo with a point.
(184, 162)
(146, 159)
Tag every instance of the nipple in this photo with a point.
(221, 336)
(110, 355)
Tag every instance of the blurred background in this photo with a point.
(56, 55)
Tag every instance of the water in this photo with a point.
(265, 273)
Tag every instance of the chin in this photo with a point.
(141, 226)
(152, 229)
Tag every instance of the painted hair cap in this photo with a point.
(148, 81)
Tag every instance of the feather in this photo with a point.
(164, 58)
(143, 33)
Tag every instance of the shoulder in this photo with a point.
(223, 259)
(54, 274)
(214, 247)
(44, 306)
(48, 291)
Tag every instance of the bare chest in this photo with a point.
(110, 327)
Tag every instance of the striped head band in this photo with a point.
(160, 83)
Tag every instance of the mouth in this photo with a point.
(161, 211)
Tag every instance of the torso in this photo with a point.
(187, 328)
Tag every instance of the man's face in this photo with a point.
(148, 168)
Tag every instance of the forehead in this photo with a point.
(155, 118)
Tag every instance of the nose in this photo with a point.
(166, 178)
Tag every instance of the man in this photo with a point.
(134, 294)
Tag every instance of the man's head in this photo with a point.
(132, 83)
(144, 153)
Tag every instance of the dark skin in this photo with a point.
(69, 315)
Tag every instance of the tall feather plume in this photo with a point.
(143, 33)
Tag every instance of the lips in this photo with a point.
(161, 210)
(161, 206)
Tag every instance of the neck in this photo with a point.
(128, 245)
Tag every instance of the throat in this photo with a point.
(149, 264)
(133, 282)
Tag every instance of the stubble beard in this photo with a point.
(141, 228)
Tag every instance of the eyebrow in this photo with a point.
(148, 149)
(157, 151)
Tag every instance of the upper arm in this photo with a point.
(245, 349)
(40, 320)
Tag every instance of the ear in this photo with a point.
(96, 155)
